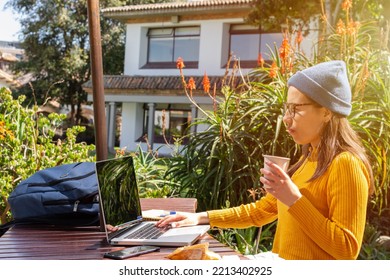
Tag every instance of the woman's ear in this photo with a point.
(328, 115)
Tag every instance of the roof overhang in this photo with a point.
(236, 8)
(125, 88)
(9, 79)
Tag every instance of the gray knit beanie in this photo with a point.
(327, 84)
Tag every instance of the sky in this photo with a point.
(9, 24)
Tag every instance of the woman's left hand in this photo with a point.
(278, 183)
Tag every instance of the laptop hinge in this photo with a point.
(123, 228)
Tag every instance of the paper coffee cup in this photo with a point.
(282, 162)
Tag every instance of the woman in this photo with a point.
(321, 202)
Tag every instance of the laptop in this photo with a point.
(121, 214)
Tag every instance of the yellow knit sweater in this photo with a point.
(327, 222)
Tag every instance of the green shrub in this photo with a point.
(26, 145)
(371, 249)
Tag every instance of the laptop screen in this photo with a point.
(118, 189)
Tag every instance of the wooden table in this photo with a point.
(28, 242)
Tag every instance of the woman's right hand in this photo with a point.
(184, 219)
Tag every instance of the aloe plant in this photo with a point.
(26, 145)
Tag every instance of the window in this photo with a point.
(246, 42)
(165, 45)
(174, 117)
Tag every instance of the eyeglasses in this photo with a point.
(291, 108)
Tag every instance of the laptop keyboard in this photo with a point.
(148, 231)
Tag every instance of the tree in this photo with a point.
(55, 37)
(272, 14)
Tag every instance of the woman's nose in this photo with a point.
(287, 119)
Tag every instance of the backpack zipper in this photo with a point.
(70, 170)
(76, 205)
(52, 183)
(90, 199)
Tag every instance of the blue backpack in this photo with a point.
(61, 195)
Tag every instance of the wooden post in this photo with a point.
(99, 109)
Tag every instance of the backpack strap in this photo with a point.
(5, 227)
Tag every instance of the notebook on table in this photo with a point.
(121, 212)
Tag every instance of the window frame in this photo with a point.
(168, 107)
(248, 29)
(171, 64)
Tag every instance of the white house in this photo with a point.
(203, 33)
(10, 52)
(7, 80)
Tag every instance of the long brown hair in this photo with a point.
(337, 137)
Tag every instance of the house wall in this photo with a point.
(133, 117)
(213, 54)
(213, 50)
(132, 120)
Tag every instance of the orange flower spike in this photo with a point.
(299, 38)
(180, 63)
(353, 27)
(206, 83)
(274, 70)
(260, 60)
(4, 131)
(340, 28)
(284, 49)
(346, 5)
(191, 84)
(120, 152)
